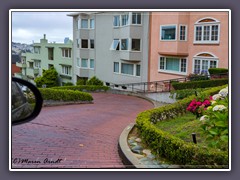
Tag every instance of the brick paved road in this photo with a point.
(76, 136)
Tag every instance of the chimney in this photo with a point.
(44, 36)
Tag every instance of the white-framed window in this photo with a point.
(116, 21)
(173, 65)
(116, 67)
(136, 44)
(92, 24)
(91, 43)
(124, 44)
(168, 32)
(84, 43)
(66, 52)
(207, 30)
(182, 32)
(138, 70)
(136, 18)
(66, 70)
(203, 61)
(127, 68)
(115, 44)
(37, 64)
(84, 23)
(84, 63)
(91, 64)
(125, 19)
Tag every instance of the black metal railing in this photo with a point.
(160, 86)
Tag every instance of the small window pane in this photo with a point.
(84, 63)
(92, 63)
(116, 21)
(182, 33)
(124, 19)
(168, 33)
(116, 67)
(197, 64)
(183, 65)
(84, 43)
(115, 44)
(127, 68)
(198, 33)
(206, 33)
(138, 70)
(124, 44)
(213, 64)
(92, 43)
(162, 62)
(92, 23)
(84, 23)
(135, 44)
(172, 64)
(214, 33)
(204, 67)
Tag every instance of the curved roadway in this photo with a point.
(76, 136)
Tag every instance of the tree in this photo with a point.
(49, 78)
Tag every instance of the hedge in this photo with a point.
(217, 71)
(200, 84)
(64, 95)
(174, 149)
(183, 93)
(88, 88)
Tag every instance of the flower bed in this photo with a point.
(164, 144)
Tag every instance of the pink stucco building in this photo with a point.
(181, 43)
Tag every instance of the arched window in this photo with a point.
(207, 30)
(203, 61)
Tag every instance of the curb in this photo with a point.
(128, 159)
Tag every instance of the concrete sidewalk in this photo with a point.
(76, 136)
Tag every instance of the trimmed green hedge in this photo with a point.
(174, 149)
(200, 84)
(64, 95)
(217, 70)
(183, 93)
(88, 88)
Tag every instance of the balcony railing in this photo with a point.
(21, 65)
(32, 71)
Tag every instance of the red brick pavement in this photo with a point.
(76, 136)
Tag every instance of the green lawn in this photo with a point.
(183, 127)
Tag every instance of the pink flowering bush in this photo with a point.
(198, 106)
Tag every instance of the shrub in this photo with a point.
(64, 95)
(183, 93)
(84, 88)
(49, 78)
(94, 81)
(68, 84)
(176, 150)
(217, 71)
(81, 82)
(200, 84)
(197, 77)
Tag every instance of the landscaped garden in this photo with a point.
(170, 131)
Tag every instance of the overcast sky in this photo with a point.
(30, 26)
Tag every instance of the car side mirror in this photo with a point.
(26, 101)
